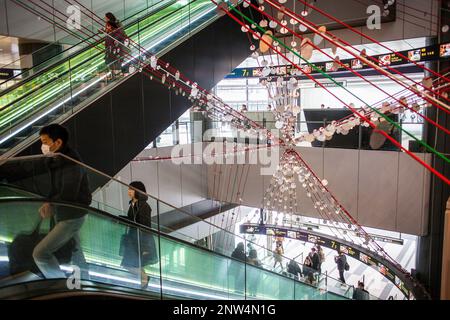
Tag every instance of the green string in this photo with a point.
(339, 85)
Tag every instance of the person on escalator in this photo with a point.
(360, 293)
(116, 42)
(237, 270)
(278, 255)
(294, 269)
(253, 275)
(342, 265)
(137, 240)
(69, 183)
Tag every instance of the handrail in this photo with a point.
(143, 227)
(143, 193)
(83, 104)
(79, 51)
(68, 58)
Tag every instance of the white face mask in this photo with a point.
(45, 149)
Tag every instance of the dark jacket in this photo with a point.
(360, 294)
(294, 268)
(239, 254)
(69, 183)
(139, 212)
(114, 45)
(341, 260)
(315, 261)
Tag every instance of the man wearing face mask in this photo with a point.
(69, 183)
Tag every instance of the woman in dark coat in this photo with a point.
(115, 49)
(139, 212)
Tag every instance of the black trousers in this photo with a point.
(341, 276)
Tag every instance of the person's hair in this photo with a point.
(55, 131)
(139, 186)
(253, 254)
(112, 20)
(313, 249)
(360, 283)
(240, 245)
(111, 16)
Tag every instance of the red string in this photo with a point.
(374, 60)
(395, 142)
(371, 39)
(354, 72)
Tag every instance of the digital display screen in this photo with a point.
(357, 64)
(385, 60)
(444, 50)
(428, 53)
(414, 55)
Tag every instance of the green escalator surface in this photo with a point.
(57, 84)
(183, 270)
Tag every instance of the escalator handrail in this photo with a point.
(109, 178)
(79, 51)
(81, 63)
(92, 45)
(158, 233)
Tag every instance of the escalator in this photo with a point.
(184, 269)
(124, 115)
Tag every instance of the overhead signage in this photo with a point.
(6, 73)
(428, 53)
(331, 84)
(305, 236)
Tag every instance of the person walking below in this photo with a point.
(314, 259)
(307, 266)
(342, 265)
(139, 248)
(360, 293)
(294, 269)
(69, 183)
(321, 257)
(278, 255)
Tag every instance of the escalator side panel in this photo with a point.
(109, 134)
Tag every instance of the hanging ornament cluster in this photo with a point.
(343, 127)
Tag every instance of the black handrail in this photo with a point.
(80, 51)
(146, 228)
(79, 64)
(85, 61)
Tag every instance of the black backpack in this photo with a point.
(20, 251)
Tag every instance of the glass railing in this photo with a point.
(76, 41)
(81, 78)
(184, 267)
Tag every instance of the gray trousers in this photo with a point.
(43, 253)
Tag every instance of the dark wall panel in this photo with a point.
(115, 128)
(128, 121)
(156, 108)
(204, 59)
(94, 135)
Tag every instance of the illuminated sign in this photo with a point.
(6, 74)
(428, 53)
